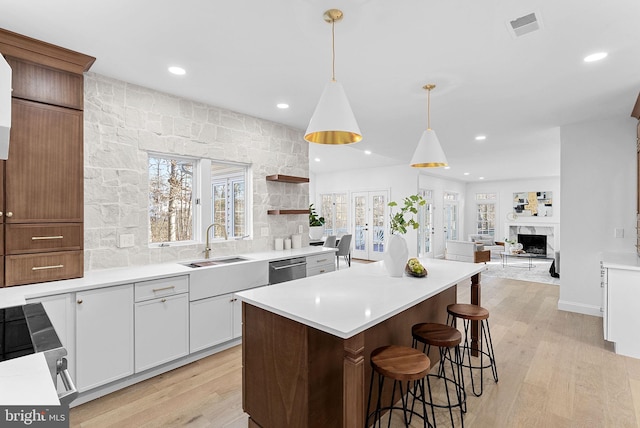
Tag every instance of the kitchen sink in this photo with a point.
(215, 262)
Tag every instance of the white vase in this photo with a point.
(316, 232)
(396, 255)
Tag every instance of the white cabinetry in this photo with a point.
(620, 310)
(104, 335)
(215, 314)
(161, 321)
(321, 263)
(211, 321)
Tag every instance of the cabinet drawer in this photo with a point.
(161, 287)
(38, 238)
(32, 268)
(320, 260)
(317, 270)
(46, 85)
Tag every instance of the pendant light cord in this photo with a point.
(428, 108)
(333, 50)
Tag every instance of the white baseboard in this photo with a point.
(579, 308)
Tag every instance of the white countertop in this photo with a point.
(349, 301)
(16, 295)
(27, 381)
(626, 261)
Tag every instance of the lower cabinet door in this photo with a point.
(162, 331)
(104, 335)
(211, 321)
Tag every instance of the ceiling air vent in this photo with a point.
(524, 25)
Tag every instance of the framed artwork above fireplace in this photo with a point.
(533, 204)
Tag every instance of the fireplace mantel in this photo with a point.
(550, 230)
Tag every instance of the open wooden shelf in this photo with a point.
(280, 212)
(287, 178)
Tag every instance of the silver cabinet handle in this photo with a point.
(0, 213)
(9, 214)
(320, 261)
(289, 266)
(163, 300)
(41, 238)
(79, 301)
(47, 267)
(155, 290)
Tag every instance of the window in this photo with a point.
(171, 201)
(334, 210)
(486, 213)
(229, 200)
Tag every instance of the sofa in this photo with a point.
(487, 243)
(466, 251)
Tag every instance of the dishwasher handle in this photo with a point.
(288, 266)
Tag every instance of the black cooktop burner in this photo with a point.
(15, 339)
(25, 330)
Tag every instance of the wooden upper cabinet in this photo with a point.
(46, 85)
(44, 172)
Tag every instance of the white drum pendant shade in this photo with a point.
(5, 107)
(429, 153)
(333, 121)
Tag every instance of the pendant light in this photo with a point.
(429, 153)
(333, 121)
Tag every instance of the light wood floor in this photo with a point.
(555, 371)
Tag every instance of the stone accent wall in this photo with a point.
(123, 122)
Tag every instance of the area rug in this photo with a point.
(539, 272)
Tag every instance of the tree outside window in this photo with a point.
(171, 199)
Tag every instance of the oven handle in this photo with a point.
(288, 266)
(71, 391)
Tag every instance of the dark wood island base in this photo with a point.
(297, 376)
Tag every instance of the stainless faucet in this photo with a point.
(207, 249)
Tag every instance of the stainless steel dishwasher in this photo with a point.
(287, 270)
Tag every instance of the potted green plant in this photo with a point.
(316, 224)
(396, 251)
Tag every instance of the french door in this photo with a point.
(369, 214)
(450, 220)
(426, 231)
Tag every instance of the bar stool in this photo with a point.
(469, 313)
(402, 364)
(445, 338)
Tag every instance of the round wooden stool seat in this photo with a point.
(468, 312)
(440, 335)
(400, 363)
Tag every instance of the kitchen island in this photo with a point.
(306, 343)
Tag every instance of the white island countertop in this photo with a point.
(348, 301)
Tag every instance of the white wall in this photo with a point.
(123, 122)
(598, 164)
(505, 190)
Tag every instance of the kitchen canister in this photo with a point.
(287, 244)
(296, 241)
(278, 244)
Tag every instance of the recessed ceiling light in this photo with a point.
(317, 159)
(282, 105)
(178, 71)
(480, 178)
(466, 173)
(447, 167)
(595, 57)
(367, 152)
(481, 137)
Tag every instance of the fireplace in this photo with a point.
(533, 244)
